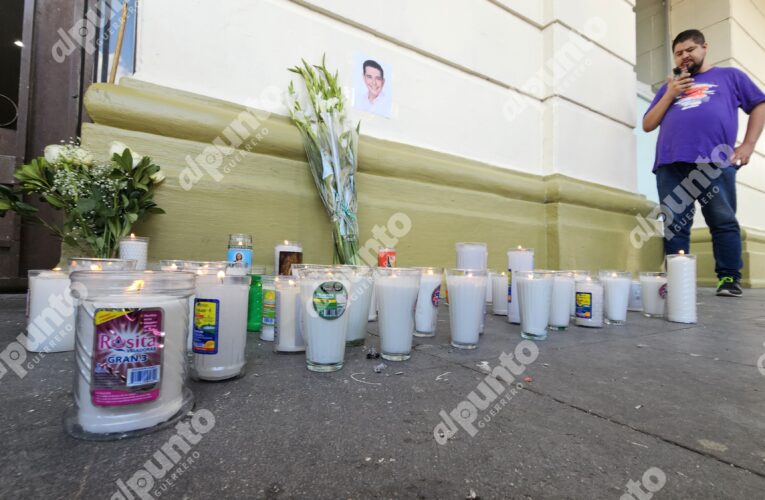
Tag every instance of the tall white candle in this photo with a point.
(428, 298)
(636, 302)
(324, 300)
(681, 288)
(288, 333)
(489, 288)
(50, 312)
(519, 259)
(130, 350)
(499, 294)
(579, 275)
(136, 248)
(534, 297)
(372, 316)
(467, 293)
(653, 294)
(471, 256)
(560, 305)
(269, 309)
(286, 254)
(589, 303)
(397, 290)
(362, 283)
(616, 291)
(220, 326)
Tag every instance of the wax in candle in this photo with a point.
(362, 285)
(616, 293)
(428, 298)
(472, 256)
(589, 303)
(499, 294)
(288, 333)
(653, 294)
(534, 297)
(636, 302)
(578, 276)
(681, 288)
(135, 248)
(50, 312)
(397, 291)
(518, 260)
(325, 300)
(560, 305)
(467, 290)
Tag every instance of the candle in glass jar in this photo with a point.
(362, 283)
(467, 291)
(50, 312)
(681, 288)
(579, 275)
(130, 374)
(616, 295)
(324, 301)
(288, 334)
(135, 248)
(519, 259)
(287, 253)
(589, 303)
(428, 298)
(653, 294)
(560, 305)
(397, 290)
(636, 302)
(499, 294)
(472, 256)
(534, 298)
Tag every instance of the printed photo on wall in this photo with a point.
(372, 89)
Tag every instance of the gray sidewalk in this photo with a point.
(599, 408)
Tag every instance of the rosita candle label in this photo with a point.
(330, 299)
(206, 325)
(127, 356)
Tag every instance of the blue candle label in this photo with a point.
(435, 297)
(206, 325)
(330, 300)
(584, 305)
(269, 307)
(509, 285)
(127, 356)
(240, 255)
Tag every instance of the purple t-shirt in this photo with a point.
(704, 116)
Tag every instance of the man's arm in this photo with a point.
(675, 87)
(753, 131)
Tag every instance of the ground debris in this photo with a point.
(379, 368)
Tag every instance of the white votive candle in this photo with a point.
(50, 312)
(287, 253)
(518, 260)
(428, 298)
(681, 288)
(499, 285)
(616, 290)
(472, 256)
(362, 283)
(653, 294)
(220, 326)
(397, 290)
(135, 248)
(288, 333)
(589, 303)
(467, 294)
(560, 305)
(534, 298)
(636, 302)
(579, 275)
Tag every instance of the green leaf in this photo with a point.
(85, 205)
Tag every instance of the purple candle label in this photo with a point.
(127, 356)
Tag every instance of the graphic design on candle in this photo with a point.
(240, 249)
(636, 301)
(681, 288)
(50, 312)
(579, 275)
(269, 308)
(397, 290)
(589, 303)
(204, 272)
(130, 352)
(288, 333)
(286, 254)
(220, 326)
(362, 283)
(135, 248)
(386, 257)
(499, 294)
(518, 260)
(467, 289)
(616, 296)
(428, 299)
(534, 297)
(324, 301)
(472, 256)
(560, 305)
(653, 294)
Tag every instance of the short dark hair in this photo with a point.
(372, 64)
(695, 35)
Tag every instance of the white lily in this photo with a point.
(120, 147)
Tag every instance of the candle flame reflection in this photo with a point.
(136, 286)
(95, 267)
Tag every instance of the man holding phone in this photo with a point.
(697, 110)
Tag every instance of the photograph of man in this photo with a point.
(371, 89)
(696, 158)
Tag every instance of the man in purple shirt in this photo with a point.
(695, 155)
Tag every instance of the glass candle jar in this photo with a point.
(130, 375)
(653, 294)
(589, 303)
(362, 283)
(467, 292)
(50, 312)
(616, 296)
(397, 290)
(288, 333)
(94, 264)
(534, 298)
(428, 299)
(240, 249)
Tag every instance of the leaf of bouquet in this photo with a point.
(85, 205)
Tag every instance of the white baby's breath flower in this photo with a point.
(53, 153)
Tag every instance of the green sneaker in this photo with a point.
(728, 287)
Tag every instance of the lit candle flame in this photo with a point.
(430, 271)
(291, 283)
(57, 269)
(520, 247)
(173, 267)
(95, 267)
(221, 275)
(681, 252)
(286, 242)
(136, 286)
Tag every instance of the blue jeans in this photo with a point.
(679, 185)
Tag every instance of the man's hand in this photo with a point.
(677, 86)
(742, 154)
